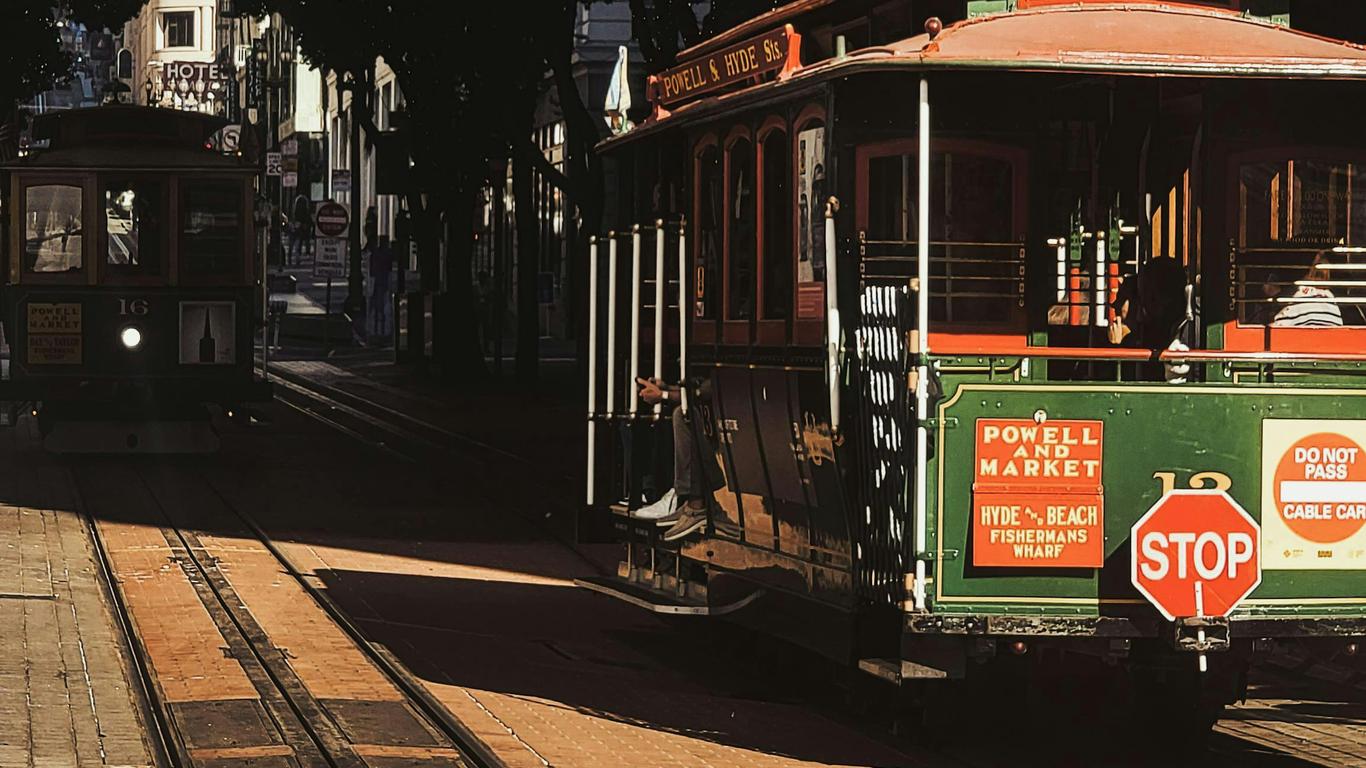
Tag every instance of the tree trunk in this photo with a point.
(463, 359)
(584, 168)
(355, 282)
(528, 263)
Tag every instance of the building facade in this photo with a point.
(174, 56)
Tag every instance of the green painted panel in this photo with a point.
(987, 7)
(1149, 428)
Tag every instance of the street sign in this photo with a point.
(274, 164)
(290, 163)
(290, 179)
(231, 136)
(1196, 553)
(341, 182)
(331, 219)
(1313, 494)
(331, 258)
(290, 147)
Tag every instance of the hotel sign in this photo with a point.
(770, 52)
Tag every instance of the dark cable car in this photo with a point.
(130, 289)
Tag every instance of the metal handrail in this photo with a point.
(913, 243)
(1166, 356)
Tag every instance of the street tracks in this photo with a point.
(242, 658)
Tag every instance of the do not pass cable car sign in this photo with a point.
(1196, 553)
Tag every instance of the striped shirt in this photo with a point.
(1306, 313)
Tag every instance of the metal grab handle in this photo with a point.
(659, 306)
(683, 300)
(635, 319)
(832, 315)
(592, 361)
(611, 324)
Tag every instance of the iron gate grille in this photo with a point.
(881, 366)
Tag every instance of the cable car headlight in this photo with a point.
(131, 337)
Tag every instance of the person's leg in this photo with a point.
(690, 481)
(687, 482)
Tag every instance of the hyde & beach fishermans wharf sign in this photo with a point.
(1038, 500)
(775, 51)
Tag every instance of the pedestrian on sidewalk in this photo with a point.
(300, 228)
(381, 264)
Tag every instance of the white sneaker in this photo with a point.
(658, 510)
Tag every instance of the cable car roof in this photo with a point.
(126, 137)
(1133, 38)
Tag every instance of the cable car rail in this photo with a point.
(313, 736)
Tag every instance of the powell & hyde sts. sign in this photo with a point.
(769, 52)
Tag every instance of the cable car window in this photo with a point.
(53, 230)
(777, 223)
(975, 266)
(1301, 254)
(810, 205)
(709, 206)
(210, 229)
(741, 213)
(133, 210)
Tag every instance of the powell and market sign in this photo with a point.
(776, 51)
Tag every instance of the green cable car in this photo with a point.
(1040, 333)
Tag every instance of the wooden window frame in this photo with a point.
(961, 338)
(170, 213)
(703, 330)
(1258, 338)
(246, 272)
(735, 332)
(770, 331)
(19, 272)
(805, 331)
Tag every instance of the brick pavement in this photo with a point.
(548, 674)
(65, 697)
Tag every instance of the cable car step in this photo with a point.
(657, 601)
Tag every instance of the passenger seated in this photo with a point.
(1155, 308)
(683, 508)
(1313, 306)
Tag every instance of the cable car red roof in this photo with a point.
(1134, 38)
(1131, 38)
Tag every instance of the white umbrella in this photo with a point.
(618, 101)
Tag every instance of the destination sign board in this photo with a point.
(54, 333)
(769, 52)
(1038, 496)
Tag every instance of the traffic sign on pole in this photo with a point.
(330, 260)
(274, 163)
(1196, 553)
(331, 219)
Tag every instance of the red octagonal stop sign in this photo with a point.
(1196, 553)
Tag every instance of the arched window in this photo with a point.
(741, 236)
(708, 215)
(808, 200)
(776, 256)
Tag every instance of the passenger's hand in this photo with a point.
(651, 390)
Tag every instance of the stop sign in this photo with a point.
(1196, 553)
(332, 219)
